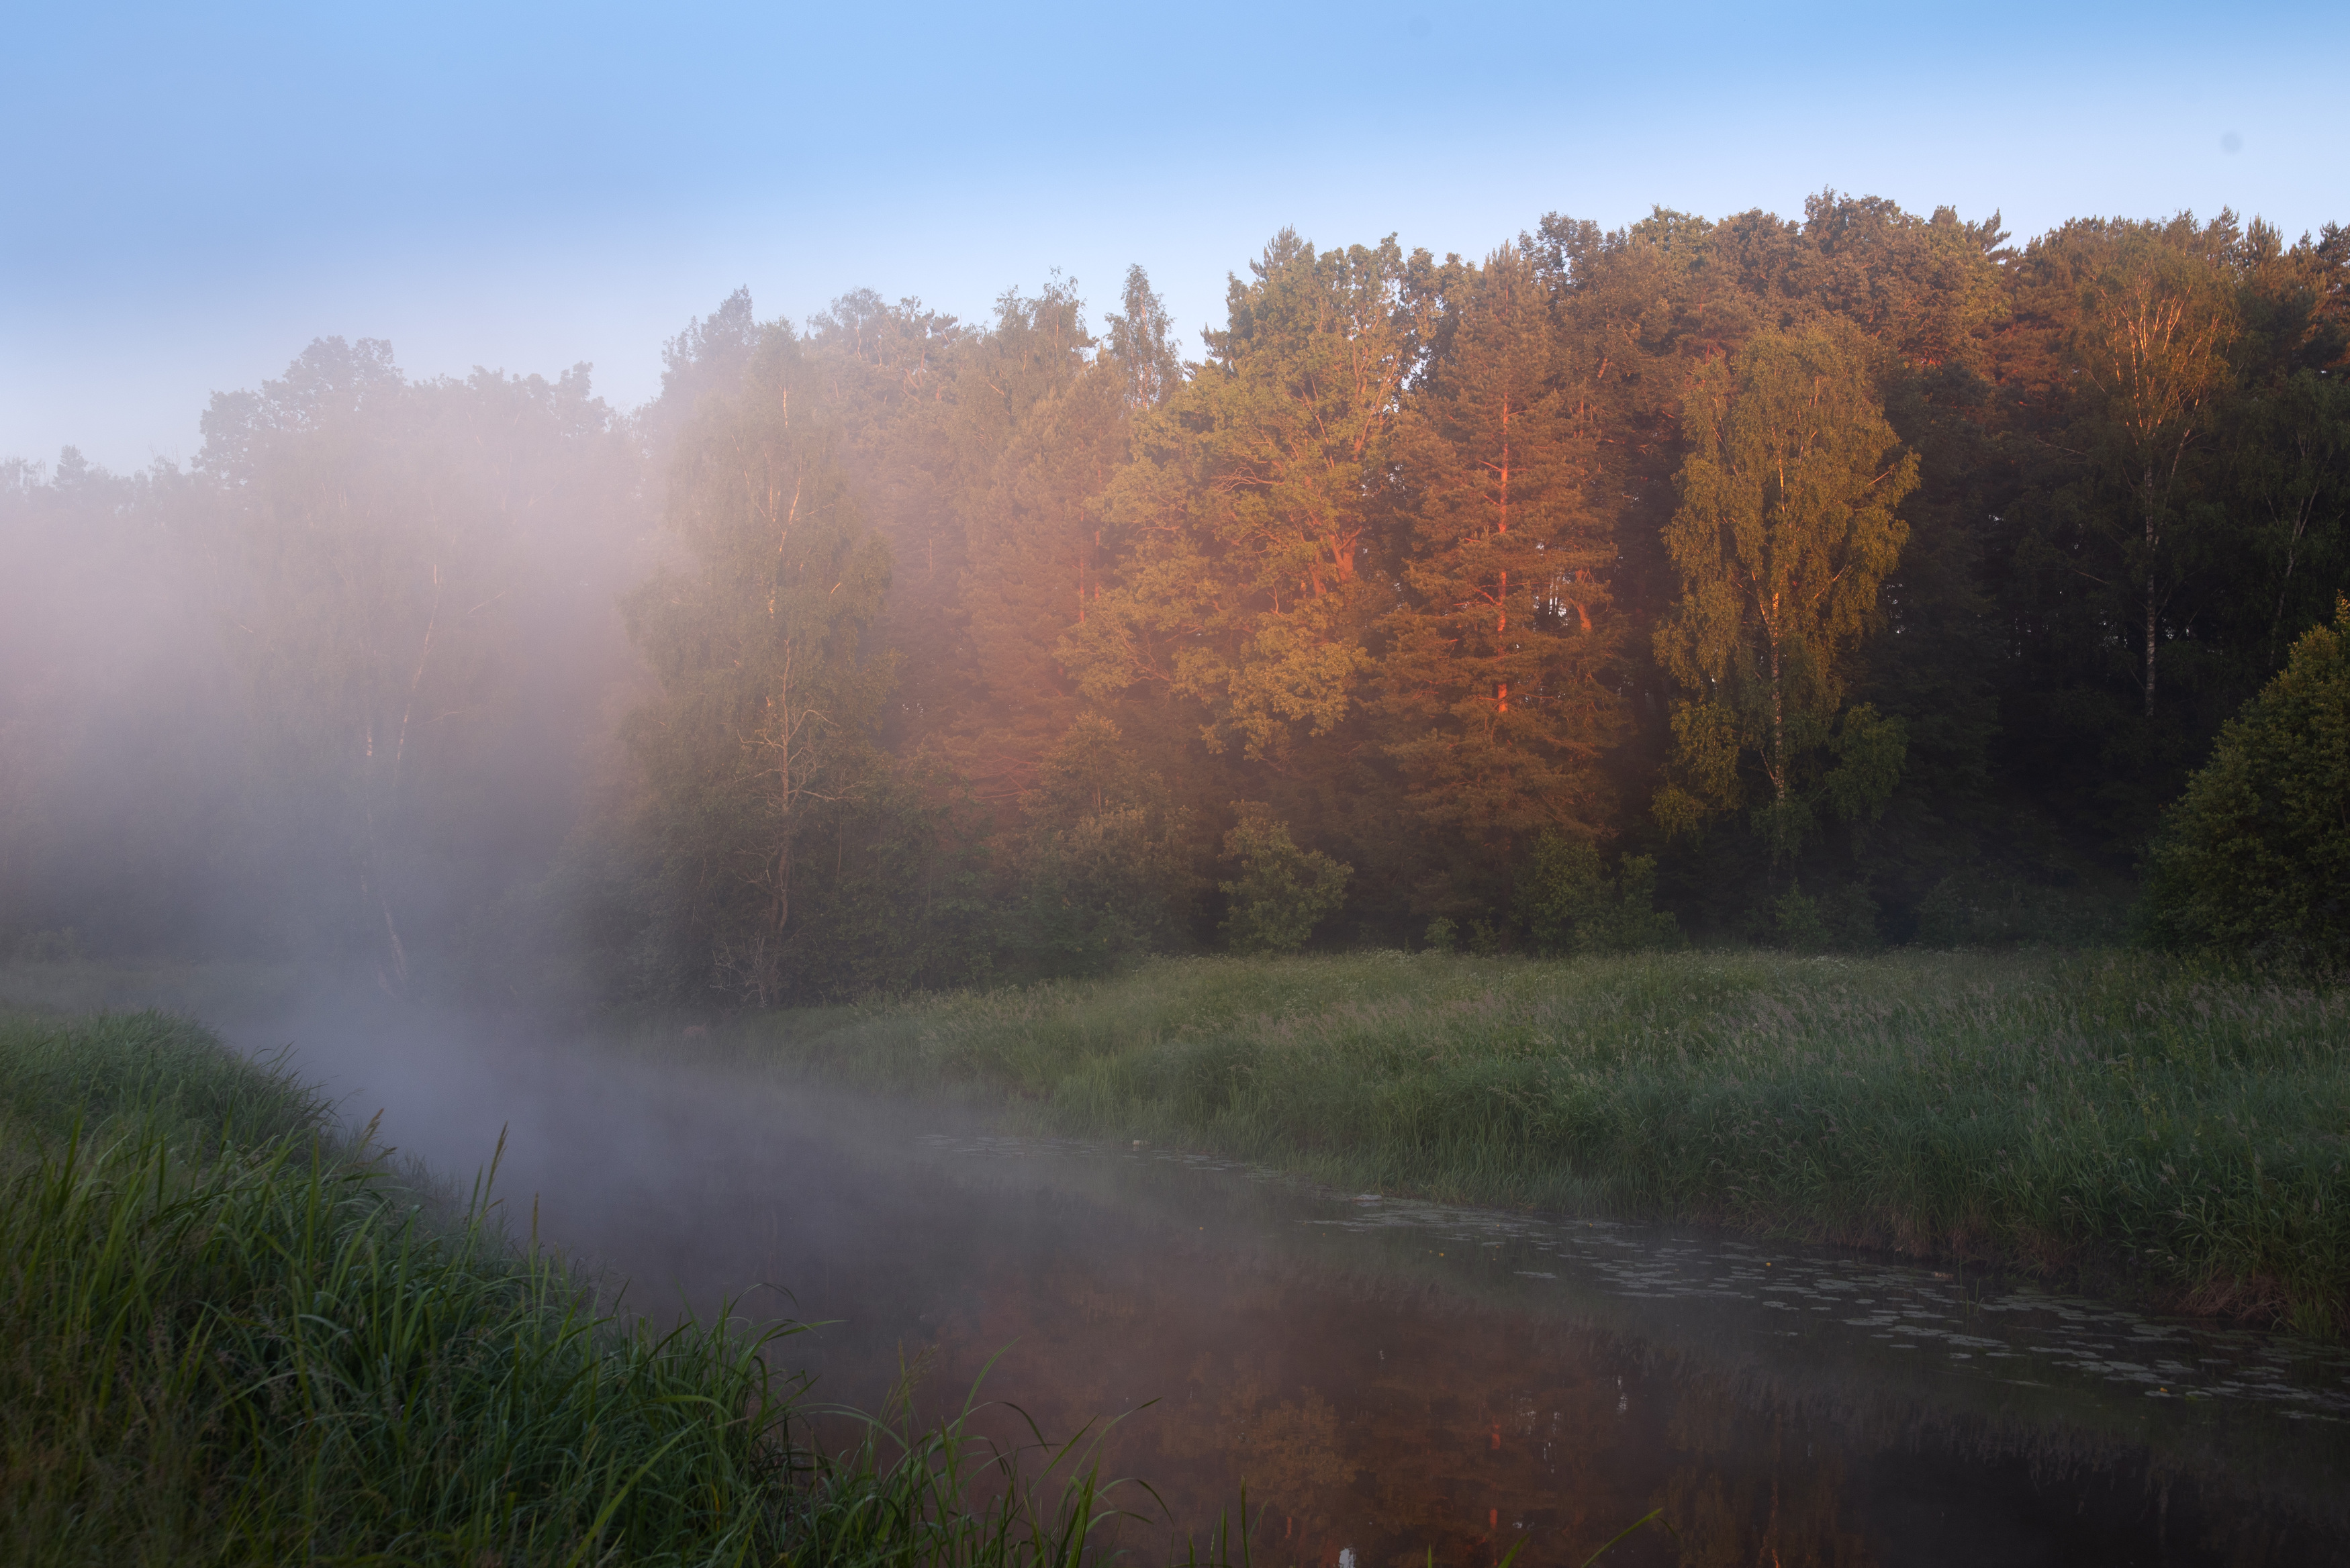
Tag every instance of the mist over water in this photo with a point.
(470, 739)
(1385, 1376)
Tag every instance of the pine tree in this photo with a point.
(1247, 515)
(1494, 681)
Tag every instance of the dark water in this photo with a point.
(1392, 1379)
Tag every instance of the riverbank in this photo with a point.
(2152, 1127)
(233, 1335)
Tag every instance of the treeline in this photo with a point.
(1838, 582)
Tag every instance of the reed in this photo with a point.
(2172, 1128)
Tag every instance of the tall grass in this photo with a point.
(2181, 1123)
(228, 1337)
(202, 988)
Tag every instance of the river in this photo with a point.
(1393, 1381)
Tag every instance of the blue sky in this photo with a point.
(193, 194)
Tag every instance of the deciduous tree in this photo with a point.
(769, 694)
(2152, 340)
(1788, 524)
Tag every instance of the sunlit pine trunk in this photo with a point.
(1501, 527)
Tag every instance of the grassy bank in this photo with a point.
(227, 1337)
(2172, 1129)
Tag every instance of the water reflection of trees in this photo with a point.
(1400, 1418)
(1456, 1433)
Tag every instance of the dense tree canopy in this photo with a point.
(1830, 579)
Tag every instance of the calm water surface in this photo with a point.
(1393, 1378)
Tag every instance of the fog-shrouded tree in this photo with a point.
(1246, 516)
(1788, 523)
(417, 583)
(1039, 429)
(124, 739)
(770, 688)
(904, 415)
(1494, 677)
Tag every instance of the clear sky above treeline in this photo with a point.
(194, 192)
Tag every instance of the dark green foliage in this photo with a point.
(1841, 920)
(1109, 872)
(1283, 892)
(2254, 860)
(1569, 903)
(1975, 908)
(902, 903)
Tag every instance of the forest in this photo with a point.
(1832, 583)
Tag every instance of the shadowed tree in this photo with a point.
(2255, 858)
(2152, 340)
(2293, 471)
(1787, 528)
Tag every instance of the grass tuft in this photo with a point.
(228, 1337)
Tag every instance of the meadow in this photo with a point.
(229, 1334)
(2159, 1128)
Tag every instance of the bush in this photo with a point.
(2254, 860)
(1283, 892)
(1841, 920)
(1108, 870)
(1569, 904)
(1973, 909)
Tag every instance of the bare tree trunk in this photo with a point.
(2151, 536)
(1778, 731)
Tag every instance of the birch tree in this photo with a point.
(2153, 341)
(768, 692)
(1787, 528)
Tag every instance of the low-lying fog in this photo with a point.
(1384, 1376)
